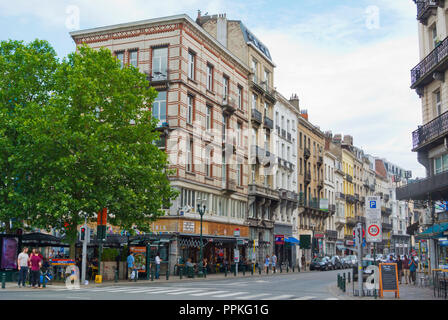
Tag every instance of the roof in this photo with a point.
(249, 37)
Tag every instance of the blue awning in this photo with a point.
(435, 231)
(292, 240)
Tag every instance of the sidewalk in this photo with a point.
(406, 291)
(162, 280)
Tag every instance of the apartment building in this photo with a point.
(383, 191)
(263, 198)
(430, 140)
(330, 165)
(203, 112)
(311, 144)
(285, 179)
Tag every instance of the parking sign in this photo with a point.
(373, 208)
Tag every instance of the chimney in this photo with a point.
(337, 139)
(348, 140)
(221, 29)
(295, 101)
(198, 19)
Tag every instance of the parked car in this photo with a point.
(353, 260)
(346, 262)
(322, 264)
(336, 262)
(365, 273)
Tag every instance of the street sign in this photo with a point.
(373, 207)
(279, 239)
(236, 232)
(374, 230)
(236, 255)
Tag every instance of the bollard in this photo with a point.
(205, 272)
(152, 275)
(339, 281)
(293, 269)
(116, 275)
(225, 271)
(281, 270)
(3, 280)
(348, 277)
(136, 275)
(251, 271)
(167, 274)
(244, 271)
(287, 268)
(234, 270)
(259, 270)
(181, 269)
(343, 283)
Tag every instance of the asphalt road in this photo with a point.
(290, 286)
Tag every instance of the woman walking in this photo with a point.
(412, 268)
(266, 263)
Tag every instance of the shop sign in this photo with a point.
(188, 226)
(350, 242)
(279, 239)
(236, 233)
(319, 235)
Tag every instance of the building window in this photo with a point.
(190, 155)
(208, 167)
(438, 103)
(300, 140)
(434, 37)
(255, 70)
(266, 141)
(133, 58)
(238, 134)
(159, 108)
(266, 78)
(190, 109)
(209, 77)
(239, 174)
(254, 101)
(159, 64)
(120, 58)
(225, 85)
(191, 64)
(240, 97)
(209, 118)
(441, 164)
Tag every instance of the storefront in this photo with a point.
(434, 240)
(349, 247)
(318, 244)
(284, 244)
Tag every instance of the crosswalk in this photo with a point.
(187, 293)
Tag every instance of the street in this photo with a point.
(291, 286)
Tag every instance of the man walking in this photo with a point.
(412, 268)
(406, 269)
(399, 268)
(274, 263)
(22, 262)
(130, 260)
(36, 264)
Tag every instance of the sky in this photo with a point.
(349, 61)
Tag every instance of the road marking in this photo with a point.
(253, 296)
(285, 296)
(305, 298)
(207, 293)
(228, 294)
(165, 291)
(186, 292)
(332, 299)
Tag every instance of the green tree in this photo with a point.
(90, 145)
(26, 77)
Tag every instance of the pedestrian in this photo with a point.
(406, 269)
(303, 262)
(267, 262)
(157, 260)
(274, 262)
(36, 264)
(399, 268)
(22, 263)
(412, 269)
(130, 260)
(391, 259)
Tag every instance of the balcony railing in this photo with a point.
(430, 131)
(424, 70)
(228, 105)
(158, 77)
(349, 178)
(307, 177)
(425, 8)
(435, 186)
(288, 136)
(268, 123)
(257, 116)
(306, 153)
(340, 195)
(387, 226)
(350, 198)
(351, 221)
(229, 186)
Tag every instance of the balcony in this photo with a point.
(349, 178)
(332, 208)
(320, 161)
(431, 66)
(228, 105)
(362, 199)
(283, 133)
(292, 196)
(426, 8)
(256, 116)
(306, 153)
(350, 198)
(301, 198)
(288, 137)
(158, 78)
(320, 184)
(268, 123)
(431, 134)
(263, 88)
(331, 234)
(386, 197)
(356, 197)
(361, 219)
(340, 195)
(351, 221)
(436, 187)
(261, 155)
(307, 177)
(261, 191)
(229, 186)
(339, 221)
(387, 226)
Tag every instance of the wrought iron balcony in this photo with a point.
(288, 136)
(435, 61)
(320, 184)
(306, 153)
(332, 208)
(268, 123)
(361, 219)
(331, 234)
(350, 198)
(307, 177)
(351, 221)
(356, 197)
(340, 195)
(435, 186)
(158, 78)
(283, 133)
(431, 132)
(349, 178)
(425, 8)
(320, 161)
(256, 116)
(387, 226)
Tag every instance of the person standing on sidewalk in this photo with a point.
(157, 260)
(22, 262)
(130, 260)
(399, 268)
(36, 264)
(406, 269)
(274, 263)
(413, 269)
(266, 263)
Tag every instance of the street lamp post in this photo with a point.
(201, 211)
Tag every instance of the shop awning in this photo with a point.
(435, 231)
(292, 240)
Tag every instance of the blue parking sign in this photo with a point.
(373, 204)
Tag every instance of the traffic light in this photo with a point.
(82, 234)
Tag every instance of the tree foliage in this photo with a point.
(84, 142)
